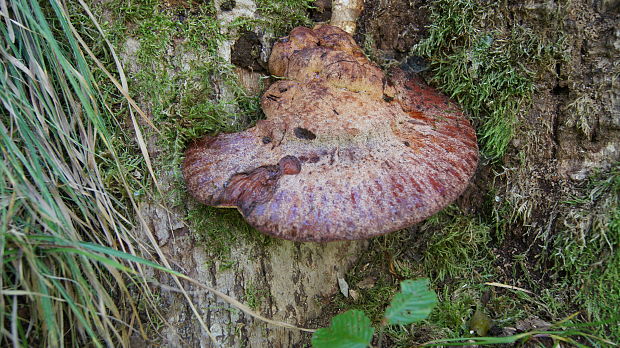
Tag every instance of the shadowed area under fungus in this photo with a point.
(345, 153)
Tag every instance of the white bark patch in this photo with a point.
(345, 14)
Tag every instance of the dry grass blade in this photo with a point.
(244, 308)
(506, 286)
(52, 132)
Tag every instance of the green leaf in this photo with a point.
(350, 329)
(413, 303)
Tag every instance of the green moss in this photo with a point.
(584, 252)
(484, 66)
(456, 251)
(373, 301)
(178, 91)
(456, 244)
(280, 16)
(220, 230)
(126, 153)
(453, 249)
(457, 256)
(454, 309)
(254, 296)
(275, 17)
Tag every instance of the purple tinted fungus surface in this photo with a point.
(346, 152)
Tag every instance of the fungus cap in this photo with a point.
(344, 152)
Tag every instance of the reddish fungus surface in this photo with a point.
(345, 152)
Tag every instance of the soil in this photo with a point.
(246, 53)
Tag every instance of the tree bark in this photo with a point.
(286, 281)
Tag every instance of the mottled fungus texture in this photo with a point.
(346, 152)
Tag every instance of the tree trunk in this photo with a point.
(285, 281)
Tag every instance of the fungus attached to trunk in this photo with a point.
(344, 153)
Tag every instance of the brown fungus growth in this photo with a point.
(344, 153)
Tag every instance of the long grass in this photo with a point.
(65, 241)
(70, 258)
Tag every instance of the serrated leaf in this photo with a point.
(413, 303)
(350, 329)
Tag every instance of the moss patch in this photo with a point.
(170, 51)
(585, 252)
(221, 229)
(458, 252)
(280, 16)
(486, 65)
(454, 250)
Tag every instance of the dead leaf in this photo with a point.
(367, 283)
(344, 287)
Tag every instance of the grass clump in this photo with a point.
(65, 239)
(483, 65)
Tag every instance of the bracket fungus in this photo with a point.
(345, 152)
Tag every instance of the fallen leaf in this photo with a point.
(366, 283)
(344, 287)
(354, 294)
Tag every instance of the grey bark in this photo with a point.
(289, 281)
